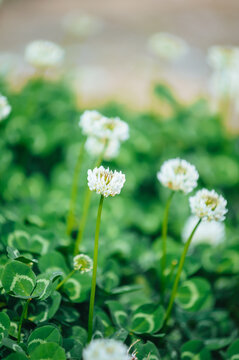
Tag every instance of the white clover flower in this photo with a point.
(105, 182)
(178, 174)
(167, 46)
(83, 263)
(88, 121)
(105, 349)
(224, 83)
(5, 108)
(208, 205)
(95, 147)
(99, 126)
(224, 80)
(112, 128)
(210, 232)
(44, 54)
(222, 57)
(81, 25)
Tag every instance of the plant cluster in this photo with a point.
(98, 263)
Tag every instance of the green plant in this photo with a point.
(40, 142)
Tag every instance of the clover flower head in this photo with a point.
(5, 108)
(105, 349)
(224, 80)
(208, 205)
(83, 263)
(104, 129)
(224, 85)
(89, 122)
(105, 182)
(44, 54)
(209, 232)
(223, 57)
(113, 128)
(167, 46)
(81, 25)
(95, 146)
(178, 174)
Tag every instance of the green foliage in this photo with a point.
(4, 325)
(195, 349)
(18, 279)
(49, 350)
(77, 288)
(147, 319)
(39, 146)
(42, 335)
(15, 356)
(233, 351)
(195, 294)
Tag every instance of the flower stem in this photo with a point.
(164, 237)
(74, 191)
(86, 206)
(23, 316)
(81, 230)
(174, 263)
(65, 279)
(180, 268)
(93, 284)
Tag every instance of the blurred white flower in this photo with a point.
(44, 54)
(167, 46)
(224, 83)
(208, 205)
(221, 57)
(83, 263)
(95, 147)
(178, 174)
(210, 232)
(224, 80)
(105, 182)
(82, 25)
(104, 134)
(88, 122)
(112, 128)
(105, 349)
(104, 128)
(5, 108)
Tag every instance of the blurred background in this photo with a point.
(112, 58)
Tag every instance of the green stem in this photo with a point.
(23, 316)
(74, 190)
(81, 230)
(93, 284)
(174, 263)
(86, 206)
(164, 237)
(180, 268)
(65, 279)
